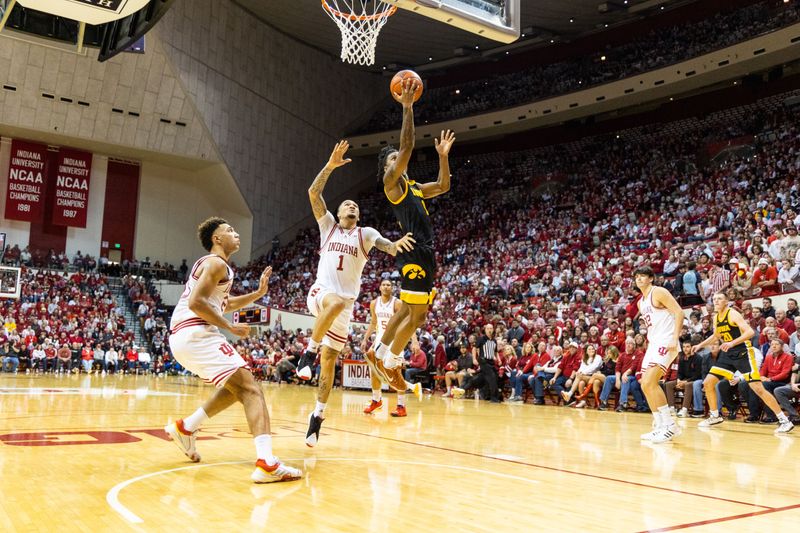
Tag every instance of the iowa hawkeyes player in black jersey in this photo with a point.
(736, 353)
(407, 198)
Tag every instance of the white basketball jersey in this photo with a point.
(660, 322)
(342, 256)
(182, 316)
(383, 312)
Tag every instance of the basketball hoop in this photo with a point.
(360, 22)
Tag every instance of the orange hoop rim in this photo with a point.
(350, 16)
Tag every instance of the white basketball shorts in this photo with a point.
(336, 336)
(659, 355)
(204, 351)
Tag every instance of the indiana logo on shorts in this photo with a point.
(412, 271)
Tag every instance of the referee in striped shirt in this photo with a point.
(485, 355)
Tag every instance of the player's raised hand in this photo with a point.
(337, 159)
(263, 282)
(445, 142)
(405, 243)
(240, 330)
(410, 86)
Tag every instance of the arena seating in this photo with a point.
(673, 45)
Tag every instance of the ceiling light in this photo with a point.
(602, 58)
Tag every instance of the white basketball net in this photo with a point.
(360, 22)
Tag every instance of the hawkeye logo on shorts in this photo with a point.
(412, 271)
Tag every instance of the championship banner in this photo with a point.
(27, 177)
(72, 188)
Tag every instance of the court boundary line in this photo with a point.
(723, 519)
(112, 496)
(552, 468)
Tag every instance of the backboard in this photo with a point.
(498, 20)
(89, 11)
(9, 282)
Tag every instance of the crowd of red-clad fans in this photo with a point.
(549, 269)
(659, 48)
(548, 265)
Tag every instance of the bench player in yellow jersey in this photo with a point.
(736, 353)
(407, 199)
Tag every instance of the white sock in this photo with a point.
(782, 418)
(666, 416)
(264, 448)
(448, 390)
(376, 395)
(391, 355)
(401, 400)
(194, 420)
(319, 409)
(312, 345)
(714, 413)
(381, 351)
(376, 345)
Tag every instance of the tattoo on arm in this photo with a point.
(315, 192)
(385, 245)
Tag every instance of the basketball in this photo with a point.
(397, 83)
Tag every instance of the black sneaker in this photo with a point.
(732, 415)
(698, 414)
(603, 406)
(621, 407)
(307, 359)
(769, 420)
(312, 435)
(751, 420)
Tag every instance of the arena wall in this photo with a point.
(274, 106)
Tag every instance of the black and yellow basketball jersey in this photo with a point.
(412, 214)
(727, 332)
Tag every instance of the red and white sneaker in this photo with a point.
(373, 406)
(400, 411)
(183, 439)
(265, 473)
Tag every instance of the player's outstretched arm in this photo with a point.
(237, 302)
(442, 184)
(406, 98)
(335, 161)
(403, 244)
(213, 271)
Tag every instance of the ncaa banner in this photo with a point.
(27, 181)
(72, 178)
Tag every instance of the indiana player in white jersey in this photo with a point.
(198, 345)
(381, 310)
(663, 317)
(344, 250)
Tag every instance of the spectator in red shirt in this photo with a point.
(131, 358)
(570, 365)
(784, 322)
(50, 357)
(417, 364)
(616, 337)
(87, 358)
(64, 358)
(766, 277)
(519, 375)
(775, 372)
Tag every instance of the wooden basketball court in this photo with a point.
(84, 453)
